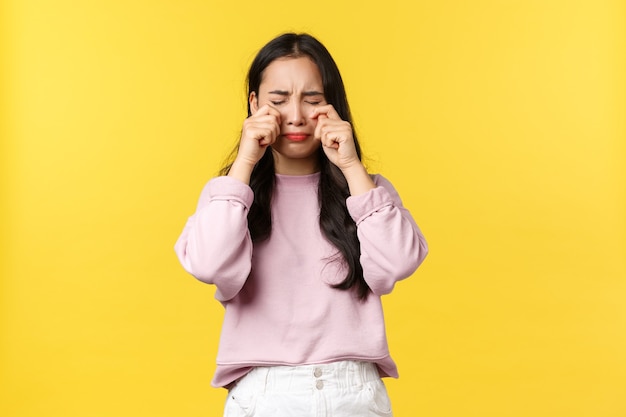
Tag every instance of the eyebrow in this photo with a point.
(305, 93)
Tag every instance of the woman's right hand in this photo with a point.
(259, 131)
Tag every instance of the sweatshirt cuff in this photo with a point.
(362, 206)
(228, 188)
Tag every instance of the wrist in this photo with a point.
(241, 170)
(359, 181)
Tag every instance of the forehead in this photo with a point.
(299, 72)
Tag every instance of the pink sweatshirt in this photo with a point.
(280, 307)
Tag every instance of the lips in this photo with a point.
(296, 137)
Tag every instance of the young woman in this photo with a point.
(301, 243)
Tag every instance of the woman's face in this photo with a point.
(293, 86)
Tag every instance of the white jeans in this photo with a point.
(339, 389)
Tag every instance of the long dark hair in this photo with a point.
(335, 221)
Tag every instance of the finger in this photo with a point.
(267, 140)
(330, 142)
(317, 134)
(252, 127)
(270, 139)
(340, 128)
(264, 132)
(268, 119)
(327, 110)
(265, 121)
(332, 137)
(325, 124)
(267, 110)
(270, 133)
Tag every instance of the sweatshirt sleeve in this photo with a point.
(215, 245)
(392, 245)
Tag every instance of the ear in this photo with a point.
(254, 102)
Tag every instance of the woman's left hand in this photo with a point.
(336, 137)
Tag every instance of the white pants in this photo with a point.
(340, 389)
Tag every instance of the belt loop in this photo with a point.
(347, 371)
(264, 376)
(369, 372)
(363, 372)
(354, 374)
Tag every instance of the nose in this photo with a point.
(295, 114)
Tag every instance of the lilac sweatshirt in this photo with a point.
(280, 308)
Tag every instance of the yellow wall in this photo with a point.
(500, 122)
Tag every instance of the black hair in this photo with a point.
(335, 222)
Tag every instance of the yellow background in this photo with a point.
(502, 124)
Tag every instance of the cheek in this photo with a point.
(308, 111)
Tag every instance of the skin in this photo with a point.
(290, 114)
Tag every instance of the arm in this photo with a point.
(215, 245)
(392, 245)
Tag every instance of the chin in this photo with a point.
(297, 150)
